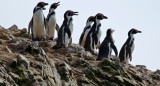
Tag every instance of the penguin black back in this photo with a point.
(128, 47)
(65, 29)
(93, 35)
(86, 30)
(107, 46)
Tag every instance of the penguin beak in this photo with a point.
(113, 30)
(44, 5)
(105, 17)
(74, 13)
(139, 31)
(57, 4)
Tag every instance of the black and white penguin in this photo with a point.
(107, 45)
(65, 32)
(93, 37)
(128, 47)
(38, 23)
(86, 30)
(51, 20)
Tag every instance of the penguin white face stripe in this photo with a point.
(88, 24)
(51, 10)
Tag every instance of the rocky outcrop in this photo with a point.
(27, 63)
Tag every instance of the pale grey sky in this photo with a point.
(122, 16)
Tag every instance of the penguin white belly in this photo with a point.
(52, 26)
(91, 40)
(84, 37)
(110, 49)
(99, 36)
(132, 47)
(38, 25)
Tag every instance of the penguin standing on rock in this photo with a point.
(51, 20)
(86, 30)
(107, 45)
(38, 23)
(128, 47)
(65, 32)
(93, 37)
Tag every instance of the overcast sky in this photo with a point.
(122, 15)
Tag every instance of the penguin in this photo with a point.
(65, 32)
(107, 46)
(38, 23)
(51, 20)
(128, 47)
(93, 37)
(86, 30)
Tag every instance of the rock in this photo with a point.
(23, 60)
(88, 56)
(35, 44)
(46, 43)
(13, 28)
(41, 51)
(42, 84)
(8, 50)
(158, 72)
(15, 40)
(74, 48)
(24, 31)
(39, 58)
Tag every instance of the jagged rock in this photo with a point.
(158, 72)
(39, 58)
(66, 74)
(35, 44)
(42, 52)
(15, 40)
(74, 48)
(24, 31)
(8, 50)
(23, 60)
(46, 43)
(13, 28)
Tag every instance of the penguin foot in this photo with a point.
(52, 38)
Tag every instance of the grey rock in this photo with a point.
(24, 31)
(41, 51)
(35, 44)
(39, 58)
(13, 28)
(23, 60)
(8, 49)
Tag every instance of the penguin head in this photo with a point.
(110, 31)
(70, 13)
(42, 5)
(100, 16)
(90, 19)
(55, 5)
(133, 31)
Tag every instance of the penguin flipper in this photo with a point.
(30, 26)
(57, 27)
(95, 38)
(114, 48)
(81, 37)
(130, 53)
(67, 31)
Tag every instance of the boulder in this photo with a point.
(23, 60)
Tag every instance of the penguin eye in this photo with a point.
(69, 14)
(99, 17)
